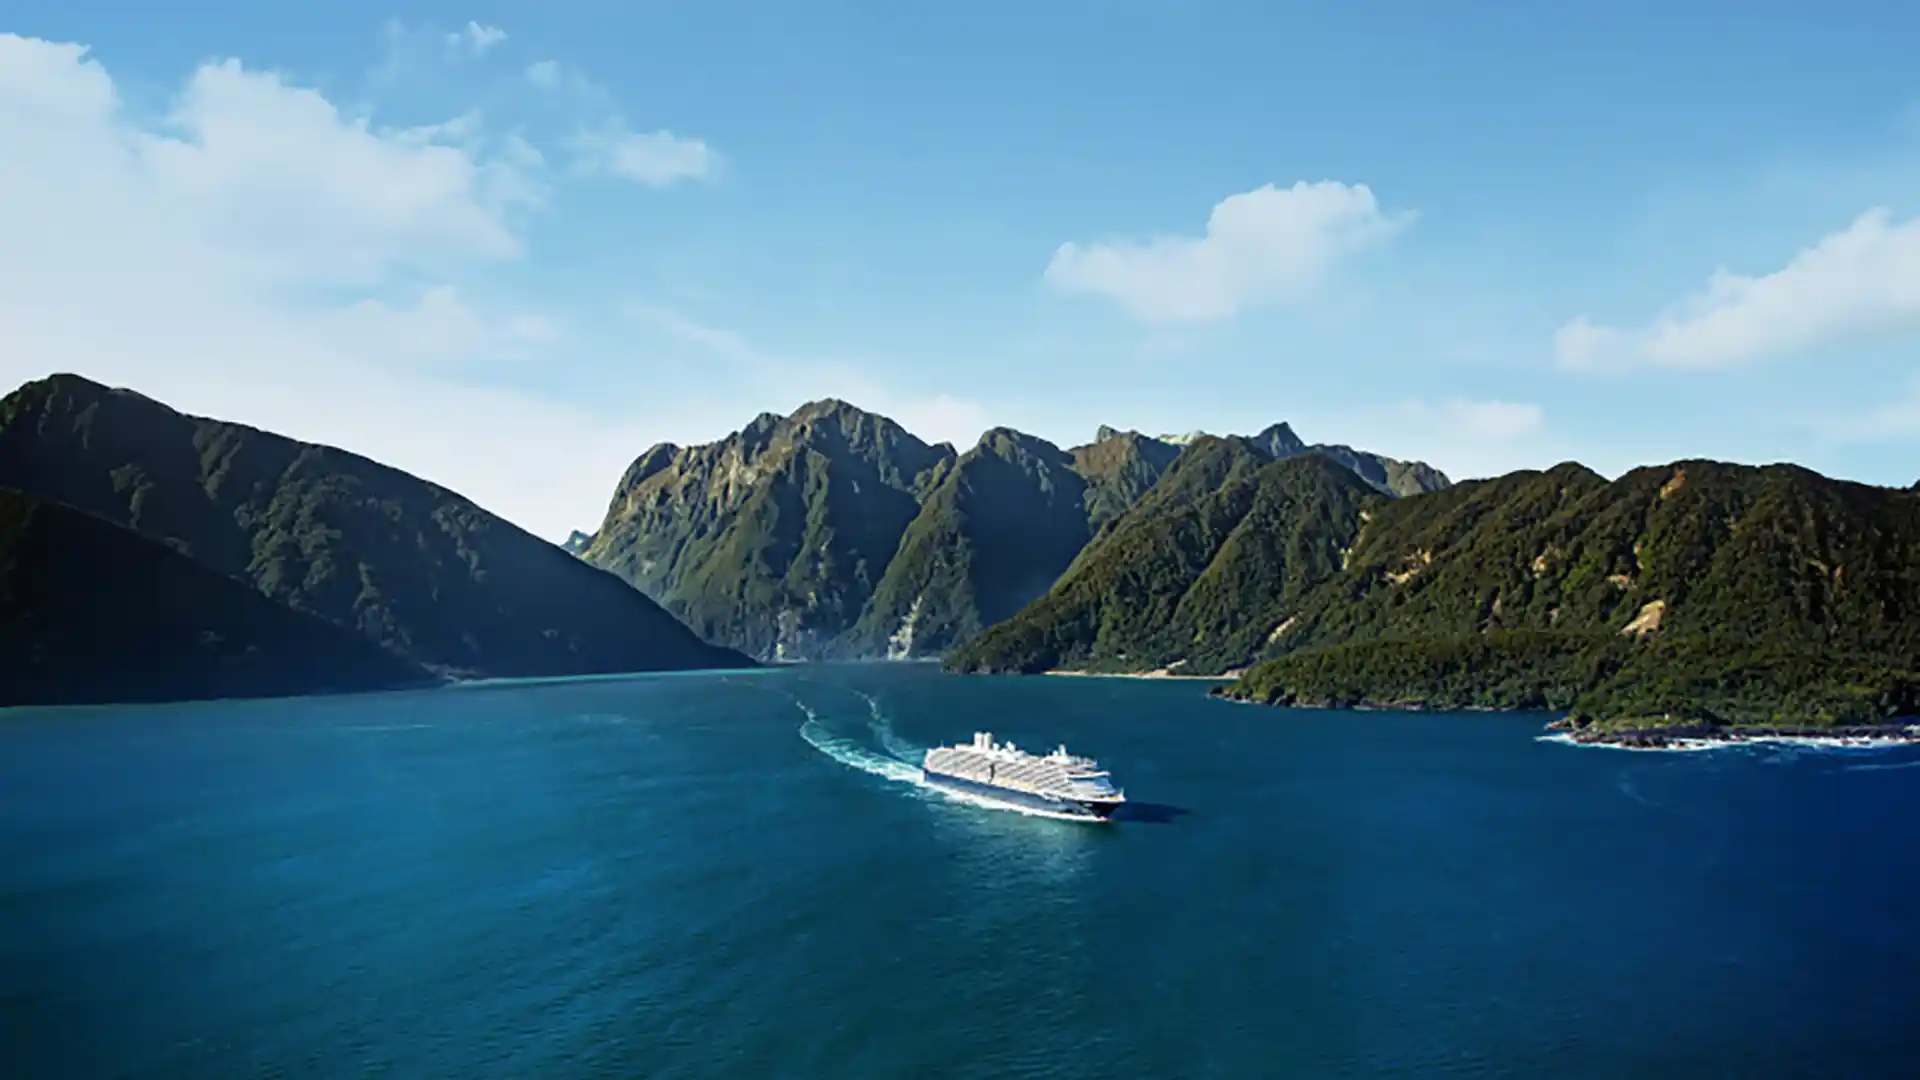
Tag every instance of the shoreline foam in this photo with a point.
(1689, 745)
(1157, 673)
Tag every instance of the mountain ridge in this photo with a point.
(1721, 593)
(1183, 579)
(414, 567)
(909, 547)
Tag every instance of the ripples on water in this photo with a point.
(739, 876)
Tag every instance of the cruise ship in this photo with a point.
(1058, 782)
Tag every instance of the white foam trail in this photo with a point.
(850, 753)
(882, 726)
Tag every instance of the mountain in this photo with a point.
(577, 543)
(1711, 592)
(773, 539)
(1386, 474)
(1694, 549)
(1119, 467)
(1197, 574)
(835, 533)
(406, 564)
(1389, 475)
(91, 612)
(993, 533)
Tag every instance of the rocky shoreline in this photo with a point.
(1697, 735)
(1157, 673)
(1648, 735)
(1295, 701)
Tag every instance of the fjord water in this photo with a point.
(686, 876)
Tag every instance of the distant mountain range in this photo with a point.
(146, 554)
(835, 533)
(337, 550)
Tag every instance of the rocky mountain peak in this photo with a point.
(1005, 441)
(1280, 441)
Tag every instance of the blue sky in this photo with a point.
(508, 246)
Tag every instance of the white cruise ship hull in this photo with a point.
(1091, 809)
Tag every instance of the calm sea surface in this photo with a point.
(735, 876)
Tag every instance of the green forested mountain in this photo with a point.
(1696, 548)
(405, 563)
(1699, 589)
(1388, 475)
(1718, 592)
(835, 533)
(995, 532)
(1119, 467)
(771, 540)
(93, 612)
(1196, 575)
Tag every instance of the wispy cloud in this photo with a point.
(1261, 246)
(652, 158)
(603, 144)
(1485, 421)
(1462, 436)
(554, 77)
(1859, 283)
(475, 39)
(722, 342)
(1895, 417)
(544, 74)
(938, 417)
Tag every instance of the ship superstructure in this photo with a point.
(1057, 782)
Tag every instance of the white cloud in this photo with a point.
(1483, 421)
(475, 38)
(278, 170)
(544, 74)
(654, 158)
(1261, 246)
(606, 145)
(1861, 282)
(258, 256)
(267, 176)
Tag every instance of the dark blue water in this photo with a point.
(666, 877)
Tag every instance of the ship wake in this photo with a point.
(882, 752)
(853, 752)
